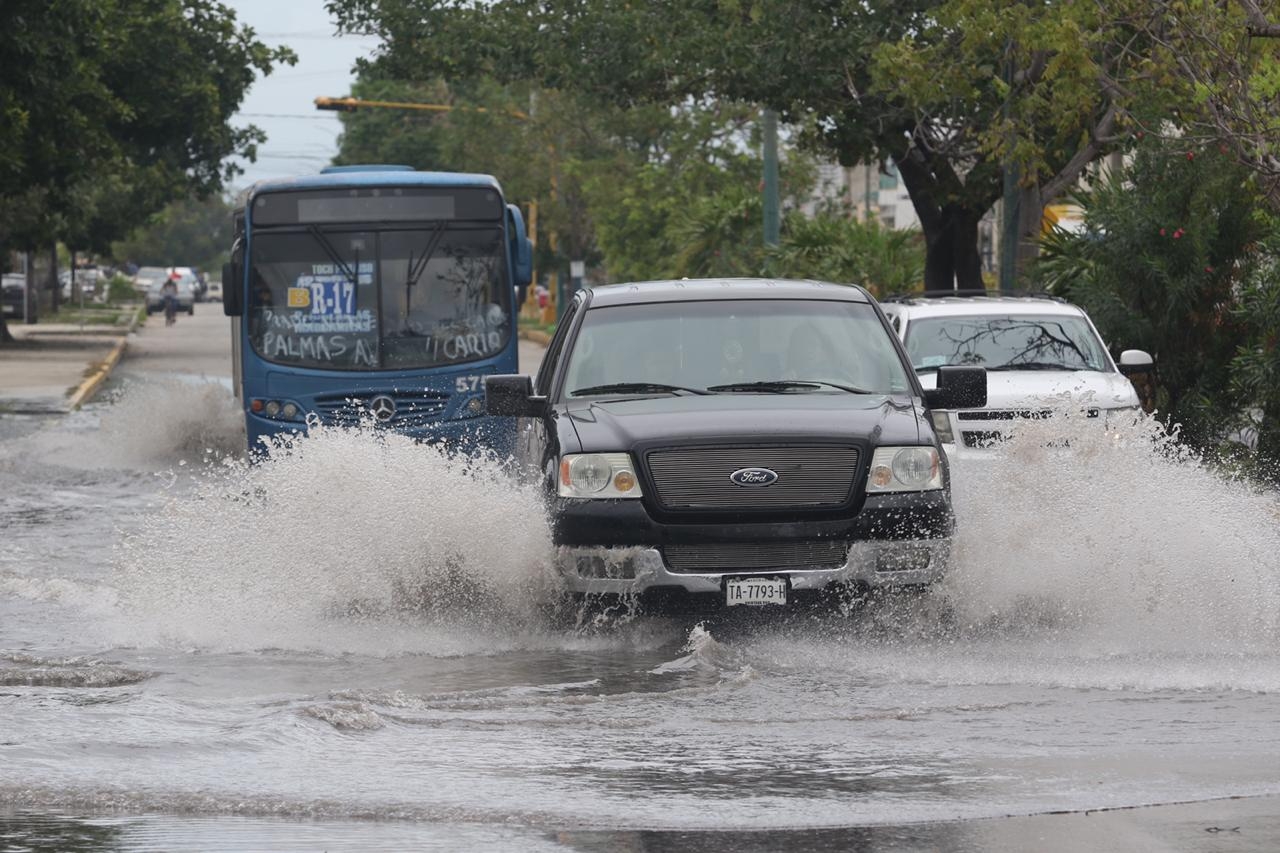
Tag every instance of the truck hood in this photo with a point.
(1014, 389)
(617, 425)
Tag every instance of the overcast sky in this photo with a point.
(300, 138)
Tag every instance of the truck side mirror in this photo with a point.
(521, 248)
(958, 388)
(233, 282)
(512, 396)
(1135, 361)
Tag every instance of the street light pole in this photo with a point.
(772, 223)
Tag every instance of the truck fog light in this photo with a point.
(881, 476)
(624, 481)
(605, 566)
(903, 559)
(272, 408)
(289, 410)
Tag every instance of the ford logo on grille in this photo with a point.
(754, 477)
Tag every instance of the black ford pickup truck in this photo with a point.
(736, 441)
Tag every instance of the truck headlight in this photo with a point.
(598, 475)
(905, 469)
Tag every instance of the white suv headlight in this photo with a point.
(598, 475)
(904, 469)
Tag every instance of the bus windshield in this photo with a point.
(347, 298)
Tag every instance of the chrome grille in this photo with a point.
(413, 408)
(809, 477)
(756, 556)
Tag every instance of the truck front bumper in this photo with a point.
(869, 565)
(617, 546)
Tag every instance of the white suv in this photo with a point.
(1041, 354)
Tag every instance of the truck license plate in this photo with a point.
(755, 591)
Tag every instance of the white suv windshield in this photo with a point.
(821, 346)
(1005, 342)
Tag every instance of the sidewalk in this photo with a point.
(53, 368)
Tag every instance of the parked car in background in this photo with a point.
(13, 289)
(214, 291)
(739, 441)
(186, 293)
(145, 276)
(1043, 356)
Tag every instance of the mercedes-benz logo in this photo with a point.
(383, 408)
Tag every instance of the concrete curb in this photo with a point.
(536, 336)
(99, 375)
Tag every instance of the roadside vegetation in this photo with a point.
(93, 140)
(1180, 256)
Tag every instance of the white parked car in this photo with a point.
(1042, 354)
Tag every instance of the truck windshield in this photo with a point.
(734, 346)
(1005, 342)
(345, 299)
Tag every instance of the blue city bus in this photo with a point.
(375, 295)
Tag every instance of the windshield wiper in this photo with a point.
(1034, 365)
(417, 268)
(337, 260)
(636, 388)
(783, 386)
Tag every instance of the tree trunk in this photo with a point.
(1030, 221)
(33, 291)
(75, 282)
(54, 285)
(952, 260)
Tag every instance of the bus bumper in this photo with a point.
(469, 436)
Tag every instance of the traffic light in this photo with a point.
(341, 105)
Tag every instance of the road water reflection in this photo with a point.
(359, 630)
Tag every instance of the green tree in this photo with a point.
(954, 92)
(109, 109)
(1170, 245)
(833, 246)
(193, 232)
(1255, 371)
(624, 178)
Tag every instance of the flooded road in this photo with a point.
(355, 645)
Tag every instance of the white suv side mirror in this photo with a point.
(1135, 361)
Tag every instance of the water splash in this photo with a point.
(1121, 540)
(345, 540)
(148, 425)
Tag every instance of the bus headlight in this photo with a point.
(904, 469)
(277, 410)
(598, 475)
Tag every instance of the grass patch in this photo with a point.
(89, 315)
(531, 325)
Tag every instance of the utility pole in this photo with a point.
(1009, 204)
(772, 222)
